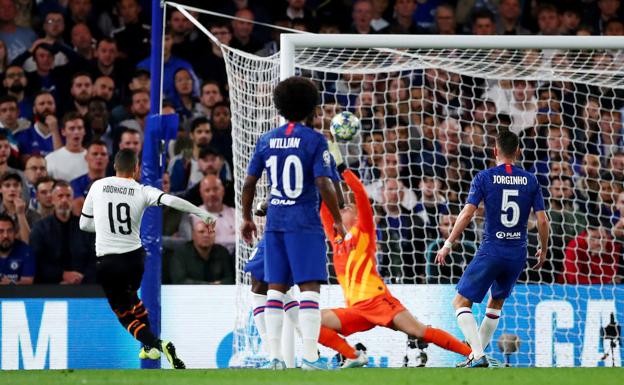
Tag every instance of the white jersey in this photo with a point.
(116, 206)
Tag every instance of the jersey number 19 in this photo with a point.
(123, 217)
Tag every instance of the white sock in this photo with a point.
(310, 323)
(258, 302)
(291, 323)
(274, 318)
(291, 308)
(468, 326)
(488, 326)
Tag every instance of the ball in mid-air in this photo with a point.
(344, 126)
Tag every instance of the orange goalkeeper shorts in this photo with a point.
(365, 315)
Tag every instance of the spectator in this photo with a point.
(586, 129)
(618, 228)
(587, 184)
(81, 91)
(15, 83)
(570, 20)
(611, 138)
(362, 16)
(171, 65)
(460, 256)
(558, 144)
(616, 168)
(242, 32)
(379, 22)
(183, 168)
(80, 11)
(104, 87)
(184, 34)
(107, 63)
(97, 162)
(210, 95)
(16, 39)
(184, 99)
(68, 162)
(132, 139)
(592, 257)
(139, 108)
(520, 103)
(10, 120)
(5, 154)
(212, 193)
(64, 254)
(388, 167)
(134, 37)
(17, 263)
(43, 136)
(431, 205)
(201, 260)
(566, 223)
(222, 130)
(298, 10)
(614, 27)
(45, 205)
(53, 28)
(403, 18)
(211, 65)
(46, 76)
(82, 41)
(607, 10)
(509, 12)
(14, 205)
(548, 19)
(484, 23)
(97, 121)
(401, 235)
(34, 169)
(445, 22)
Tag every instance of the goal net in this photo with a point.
(429, 119)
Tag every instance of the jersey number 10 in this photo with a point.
(291, 162)
(123, 217)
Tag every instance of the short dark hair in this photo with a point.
(97, 142)
(43, 91)
(507, 142)
(44, 179)
(10, 175)
(562, 178)
(125, 161)
(61, 183)
(71, 115)
(205, 150)
(198, 122)
(106, 39)
(483, 13)
(140, 72)
(4, 137)
(79, 74)
(296, 98)
(7, 218)
(213, 82)
(8, 99)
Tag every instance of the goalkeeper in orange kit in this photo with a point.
(368, 301)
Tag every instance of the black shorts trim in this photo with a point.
(158, 200)
(86, 215)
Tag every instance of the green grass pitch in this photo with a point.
(424, 376)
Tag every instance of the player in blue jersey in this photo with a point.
(508, 193)
(298, 164)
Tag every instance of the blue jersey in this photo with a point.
(33, 142)
(294, 156)
(19, 263)
(81, 186)
(509, 193)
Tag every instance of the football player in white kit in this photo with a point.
(113, 210)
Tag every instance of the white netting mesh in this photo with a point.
(429, 118)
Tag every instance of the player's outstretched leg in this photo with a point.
(329, 337)
(468, 326)
(490, 321)
(407, 323)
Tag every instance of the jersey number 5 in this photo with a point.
(506, 205)
(291, 162)
(123, 217)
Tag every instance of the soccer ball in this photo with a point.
(344, 126)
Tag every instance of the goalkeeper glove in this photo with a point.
(334, 149)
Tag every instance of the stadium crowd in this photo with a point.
(75, 87)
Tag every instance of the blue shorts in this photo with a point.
(294, 257)
(486, 271)
(255, 264)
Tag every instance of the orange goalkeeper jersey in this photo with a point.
(354, 259)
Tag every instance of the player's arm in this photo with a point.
(186, 207)
(248, 228)
(86, 215)
(543, 230)
(328, 194)
(366, 220)
(463, 220)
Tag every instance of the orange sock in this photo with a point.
(446, 341)
(331, 339)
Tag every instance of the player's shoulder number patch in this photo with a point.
(326, 158)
